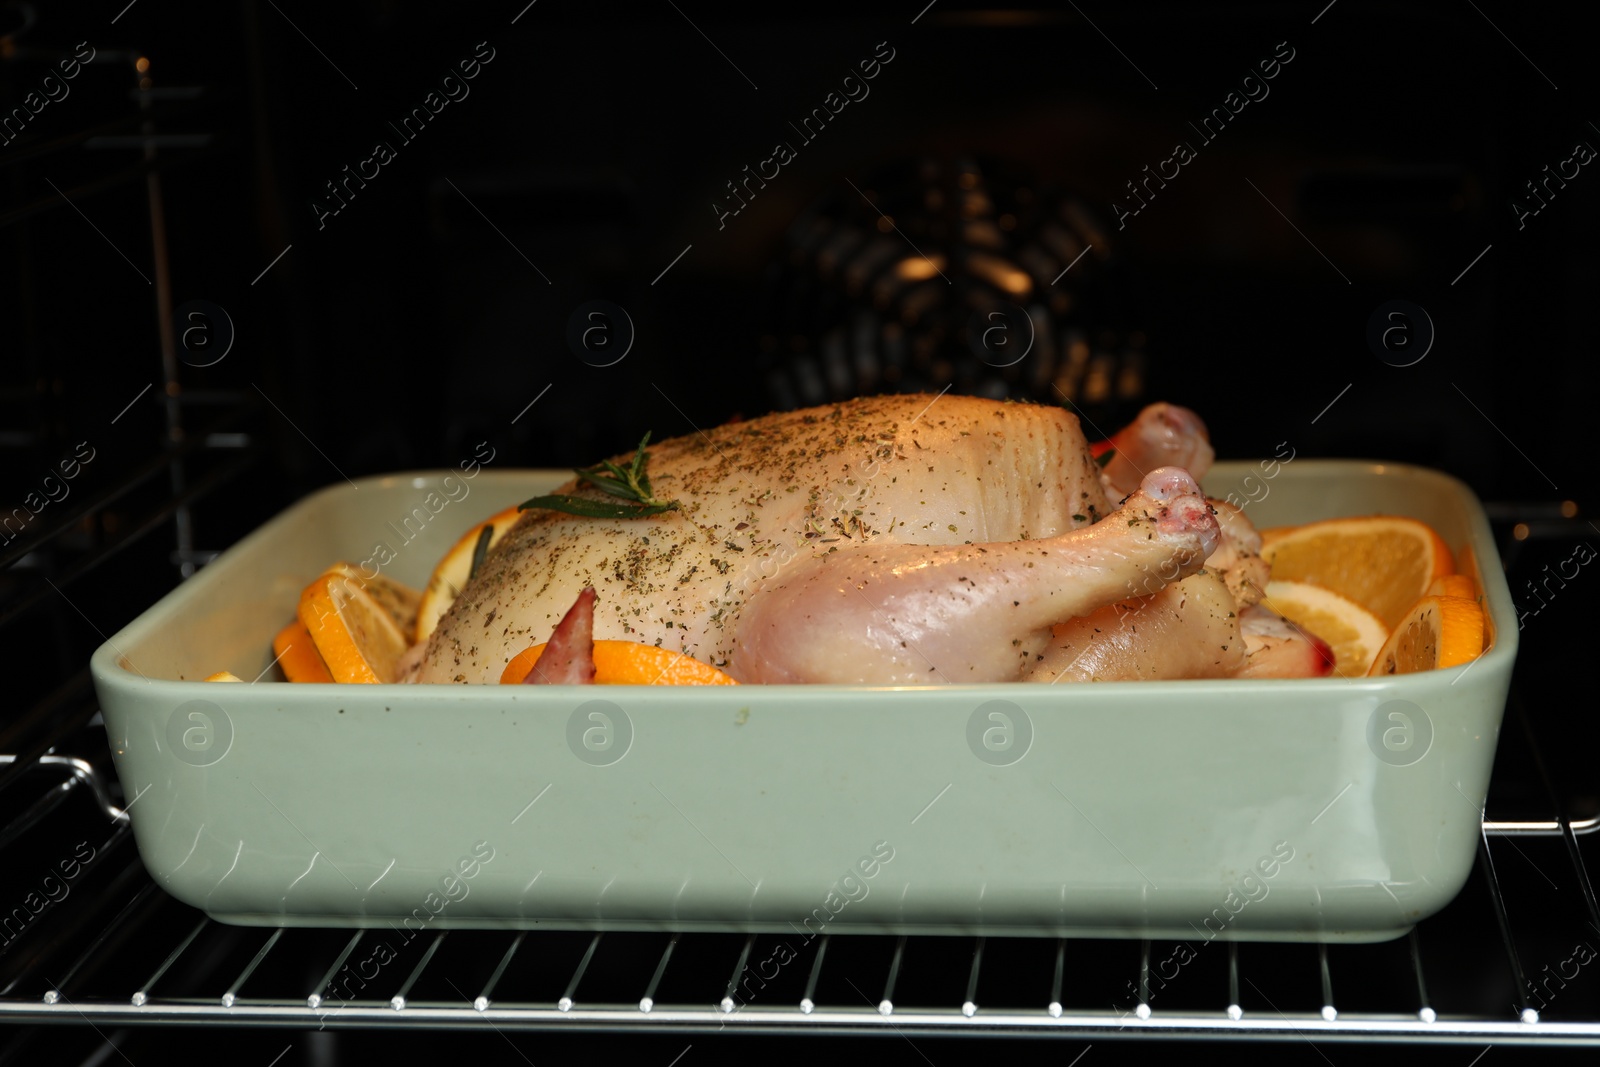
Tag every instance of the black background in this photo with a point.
(407, 328)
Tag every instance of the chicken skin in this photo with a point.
(905, 539)
(899, 614)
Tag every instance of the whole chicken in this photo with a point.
(890, 540)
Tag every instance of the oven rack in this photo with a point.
(128, 954)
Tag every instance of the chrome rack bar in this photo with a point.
(1235, 1011)
(969, 1007)
(726, 1004)
(1143, 1010)
(481, 1002)
(1486, 862)
(1584, 883)
(806, 1003)
(398, 1001)
(53, 994)
(886, 1005)
(1425, 1011)
(648, 1001)
(1541, 827)
(565, 1003)
(82, 771)
(1329, 1012)
(314, 1000)
(1055, 984)
(142, 995)
(250, 968)
(1568, 831)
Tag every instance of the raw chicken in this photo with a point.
(886, 540)
(902, 614)
(1189, 629)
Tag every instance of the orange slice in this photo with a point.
(1467, 564)
(297, 654)
(1276, 533)
(1438, 631)
(450, 576)
(628, 663)
(224, 676)
(400, 601)
(1382, 562)
(358, 639)
(1453, 585)
(1353, 632)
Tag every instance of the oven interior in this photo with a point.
(173, 204)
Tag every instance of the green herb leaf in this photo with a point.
(480, 550)
(596, 509)
(607, 485)
(631, 484)
(639, 456)
(1105, 457)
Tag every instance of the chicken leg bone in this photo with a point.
(1162, 435)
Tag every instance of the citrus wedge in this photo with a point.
(1269, 534)
(1382, 562)
(1438, 631)
(224, 676)
(1453, 585)
(1353, 632)
(454, 569)
(400, 601)
(297, 654)
(1467, 564)
(356, 636)
(628, 663)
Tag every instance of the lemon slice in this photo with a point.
(451, 575)
(1353, 632)
(1438, 631)
(1382, 562)
(356, 636)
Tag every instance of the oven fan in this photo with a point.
(963, 275)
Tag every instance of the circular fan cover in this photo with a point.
(959, 274)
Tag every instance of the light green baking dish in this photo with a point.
(1326, 809)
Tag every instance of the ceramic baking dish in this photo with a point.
(1327, 809)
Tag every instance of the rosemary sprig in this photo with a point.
(630, 483)
(480, 550)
